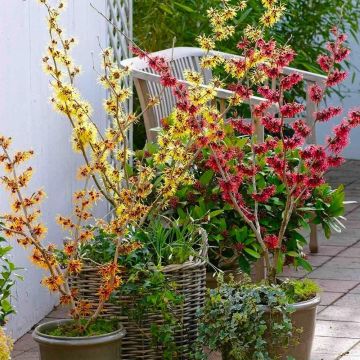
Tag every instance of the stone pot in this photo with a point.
(304, 317)
(101, 347)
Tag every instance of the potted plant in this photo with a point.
(133, 187)
(261, 314)
(163, 286)
(276, 185)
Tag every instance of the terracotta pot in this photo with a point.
(102, 347)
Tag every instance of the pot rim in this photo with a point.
(42, 338)
(307, 304)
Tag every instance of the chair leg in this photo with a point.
(313, 245)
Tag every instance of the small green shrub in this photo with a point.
(245, 322)
(300, 290)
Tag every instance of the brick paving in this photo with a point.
(336, 269)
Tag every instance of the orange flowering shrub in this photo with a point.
(132, 191)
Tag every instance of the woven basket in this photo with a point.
(190, 278)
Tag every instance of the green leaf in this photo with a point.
(292, 254)
(206, 177)
(215, 213)
(184, 7)
(253, 253)
(304, 264)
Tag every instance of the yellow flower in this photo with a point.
(84, 134)
(6, 345)
(206, 43)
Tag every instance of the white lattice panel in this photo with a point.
(120, 14)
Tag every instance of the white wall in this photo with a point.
(26, 115)
(352, 100)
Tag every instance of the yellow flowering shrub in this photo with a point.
(6, 345)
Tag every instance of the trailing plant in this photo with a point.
(245, 321)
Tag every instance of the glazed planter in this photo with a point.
(101, 347)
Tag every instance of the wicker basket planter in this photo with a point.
(190, 278)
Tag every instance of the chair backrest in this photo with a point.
(148, 85)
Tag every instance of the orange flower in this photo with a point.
(38, 259)
(69, 248)
(53, 283)
(74, 266)
(39, 230)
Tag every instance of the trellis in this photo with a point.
(120, 14)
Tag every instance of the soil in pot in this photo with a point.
(54, 345)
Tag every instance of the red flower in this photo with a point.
(267, 93)
(273, 125)
(286, 56)
(291, 109)
(340, 140)
(265, 195)
(137, 51)
(354, 118)
(290, 81)
(168, 81)
(266, 48)
(325, 62)
(326, 114)
(241, 126)
(271, 241)
(316, 93)
(336, 77)
(241, 90)
(259, 109)
(335, 161)
(301, 128)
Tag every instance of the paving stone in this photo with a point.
(321, 356)
(331, 345)
(355, 290)
(340, 313)
(26, 343)
(293, 273)
(28, 355)
(327, 298)
(353, 251)
(349, 300)
(338, 329)
(355, 350)
(318, 260)
(336, 285)
(321, 308)
(329, 250)
(330, 272)
(345, 262)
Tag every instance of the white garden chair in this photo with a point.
(148, 85)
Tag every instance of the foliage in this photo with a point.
(231, 240)
(98, 327)
(7, 274)
(283, 175)
(245, 321)
(305, 25)
(300, 290)
(170, 243)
